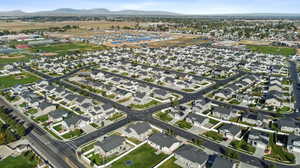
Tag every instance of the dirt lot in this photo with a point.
(298, 51)
(20, 25)
(247, 42)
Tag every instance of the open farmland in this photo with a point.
(20, 25)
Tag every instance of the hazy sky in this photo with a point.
(179, 6)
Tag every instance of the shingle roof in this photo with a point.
(140, 127)
(192, 153)
(110, 143)
(163, 140)
(221, 162)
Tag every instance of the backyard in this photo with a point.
(170, 164)
(142, 157)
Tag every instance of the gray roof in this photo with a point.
(74, 119)
(286, 122)
(140, 127)
(233, 129)
(222, 110)
(293, 138)
(140, 95)
(107, 106)
(197, 118)
(192, 154)
(58, 113)
(163, 140)
(45, 105)
(221, 162)
(110, 143)
(160, 92)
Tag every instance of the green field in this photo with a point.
(273, 50)
(142, 157)
(22, 57)
(65, 48)
(170, 164)
(22, 161)
(12, 80)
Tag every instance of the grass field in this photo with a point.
(65, 48)
(142, 157)
(170, 164)
(12, 80)
(273, 50)
(21, 161)
(14, 58)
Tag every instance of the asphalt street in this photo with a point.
(58, 150)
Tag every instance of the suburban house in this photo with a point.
(75, 122)
(110, 145)
(139, 130)
(230, 131)
(45, 108)
(253, 119)
(164, 143)
(223, 113)
(57, 115)
(293, 143)
(197, 120)
(201, 105)
(220, 162)
(225, 94)
(258, 138)
(288, 125)
(189, 156)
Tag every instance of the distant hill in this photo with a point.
(83, 12)
(103, 11)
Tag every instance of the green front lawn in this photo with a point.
(214, 135)
(12, 80)
(170, 164)
(116, 116)
(25, 160)
(188, 90)
(73, 134)
(273, 50)
(184, 124)
(234, 101)
(164, 116)
(88, 147)
(142, 157)
(242, 145)
(58, 128)
(283, 110)
(144, 106)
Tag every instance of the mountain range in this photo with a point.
(83, 12)
(103, 11)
